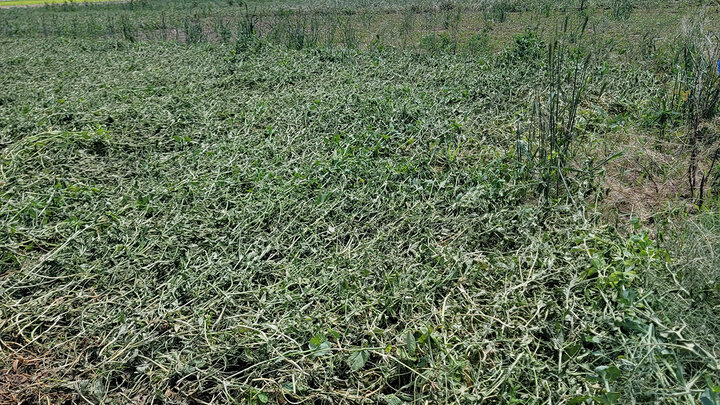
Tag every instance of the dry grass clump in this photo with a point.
(650, 177)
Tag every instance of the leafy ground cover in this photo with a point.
(269, 216)
(13, 3)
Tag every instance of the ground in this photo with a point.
(406, 202)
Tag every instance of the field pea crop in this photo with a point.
(359, 202)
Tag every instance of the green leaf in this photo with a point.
(609, 373)
(323, 349)
(608, 398)
(709, 398)
(392, 400)
(263, 397)
(410, 344)
(571, 351)
(320, 345)
(316, 341)
(612, 373)
(578, 400)
(357, 359)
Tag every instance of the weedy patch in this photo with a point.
(283, 211)
(26, 3)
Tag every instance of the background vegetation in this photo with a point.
(359, 202)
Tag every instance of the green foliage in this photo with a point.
(225, 203)
(357, 359)
(479, 43)
(436, 43)
(497, 11)
(621, 9)
(711, 395)
(549, 144)
(193, 30)
(527, 47)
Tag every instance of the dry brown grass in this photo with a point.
(26, 377)
(646, 178)
(651, 176)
